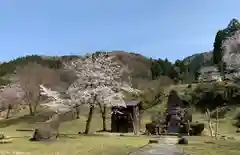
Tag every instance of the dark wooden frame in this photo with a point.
(132, 120)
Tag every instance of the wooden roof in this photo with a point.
(130, 103)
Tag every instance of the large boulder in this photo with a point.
(48, 130)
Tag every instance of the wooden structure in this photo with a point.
(209, 74)
(126, 119)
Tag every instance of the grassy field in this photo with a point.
(205, 145)
(74, 145)
(208, 146)
(70, 143)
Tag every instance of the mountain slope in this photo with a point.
(226, 49)
(139, 65)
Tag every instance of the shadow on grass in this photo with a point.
(38, 117)
(68, 136)
(62, 136)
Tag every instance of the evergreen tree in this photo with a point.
(233, 26)
(156, 70)
(217, 51)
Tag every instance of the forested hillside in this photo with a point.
(141, 68)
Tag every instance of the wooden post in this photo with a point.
(209, 122)
(136, 120)
(216, 129)
(133, 123)
(188, 123)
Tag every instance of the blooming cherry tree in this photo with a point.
(100, 76)
(99, 83)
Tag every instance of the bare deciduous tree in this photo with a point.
(30, 77)
(10, 96)
(208, 114)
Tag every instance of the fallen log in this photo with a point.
(24, 129)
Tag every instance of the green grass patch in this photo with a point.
(69, 142)
(73, 144)
(76, 144)
(207, 146)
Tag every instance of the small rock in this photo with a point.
(227, 138)
(182, 141)
(238, 131)
(209, 142)
(223, 137)
(231, 138)
(153, 141)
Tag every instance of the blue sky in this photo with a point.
(155, 28)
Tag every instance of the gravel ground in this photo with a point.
(168, 147)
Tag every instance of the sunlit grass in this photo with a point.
(76, 144)
(207, 146)
(70, 142)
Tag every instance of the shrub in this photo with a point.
(2, 136)
(4, 82)
(196, 128)
(237, 123)
(221, 113)
(151, 128)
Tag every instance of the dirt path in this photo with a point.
(168, 147)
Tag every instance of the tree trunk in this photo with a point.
(8, 112)
(103, 113)
(136, 121)
(35, 108)
(104, 118)
(209, 122)
(36, 104)
(140, 118)
(133, 123)
(77, 113)
(31, 113)
(216, 130)
(188, 124)
(90, 114)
